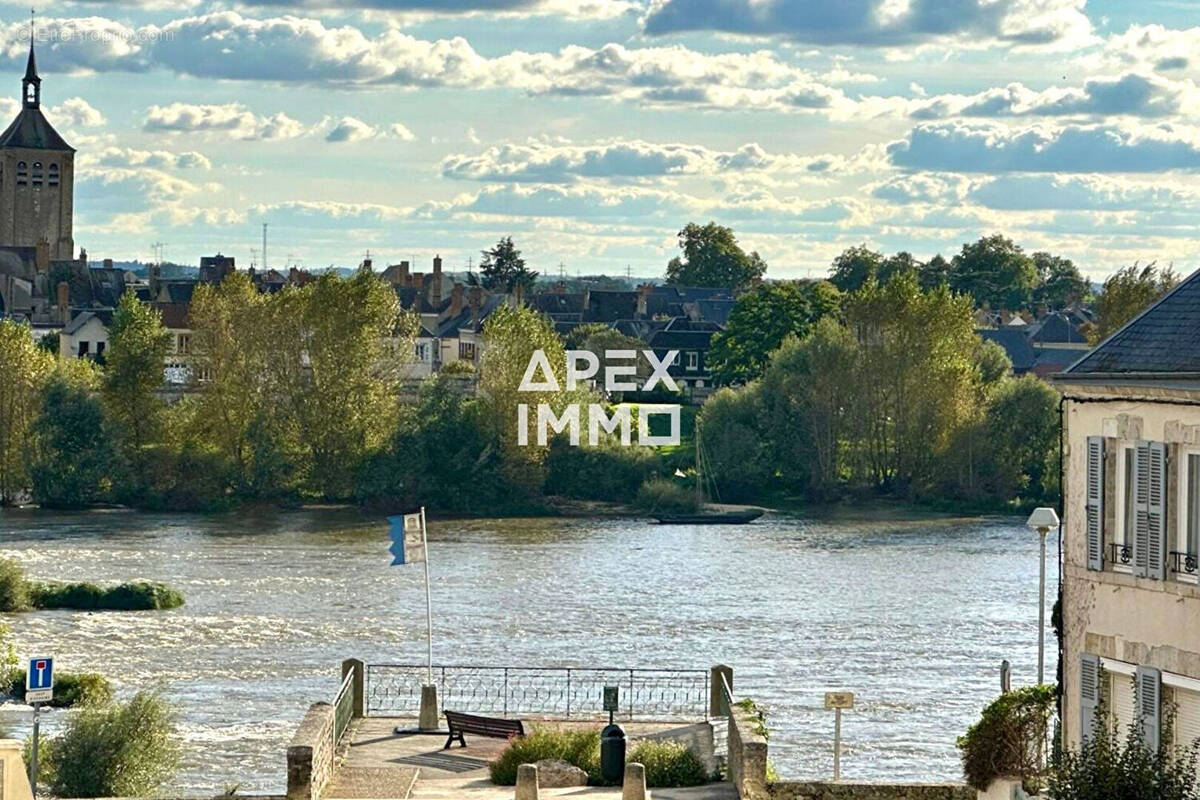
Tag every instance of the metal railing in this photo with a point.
(343, 708)
(1184, 563)
(557, 692)
(1119, 553)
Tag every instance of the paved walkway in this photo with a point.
(380, 763)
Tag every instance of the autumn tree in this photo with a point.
(1126, 294)
(133, 373)
(23, 370)
(712, 257)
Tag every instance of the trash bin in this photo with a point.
(612, 754)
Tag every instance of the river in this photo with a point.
(913, 615)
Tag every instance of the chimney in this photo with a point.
(643, 298)
(83, 256)
(436, 297)
(108, 263)
(42, 256)
(476, 300)
(404, 273)
(64, 302)
(456, 300)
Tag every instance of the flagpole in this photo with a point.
(428, 604)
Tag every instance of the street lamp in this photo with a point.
(1042, 520)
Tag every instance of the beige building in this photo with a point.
(1131, 526)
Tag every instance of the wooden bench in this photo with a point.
(494, 727)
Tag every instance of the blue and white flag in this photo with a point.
(408, 538)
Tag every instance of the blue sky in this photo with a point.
(592, 130)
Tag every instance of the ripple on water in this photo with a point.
(913, 615)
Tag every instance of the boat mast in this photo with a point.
(699, 471)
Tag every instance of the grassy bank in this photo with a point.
(19, 594)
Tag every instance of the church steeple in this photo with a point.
(31, 84)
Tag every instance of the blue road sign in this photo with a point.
(39, 680)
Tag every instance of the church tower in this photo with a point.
(37, 176)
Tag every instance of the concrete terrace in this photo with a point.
(380, 763)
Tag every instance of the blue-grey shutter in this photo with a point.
(1156, 510)
(1095, 502)
(1141, 512)
(1149, 705)
(1089, 694)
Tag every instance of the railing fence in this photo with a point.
(343, 708)
(566, 692)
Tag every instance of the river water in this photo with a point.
(914, 616)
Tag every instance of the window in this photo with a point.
(693, 360)
(22, 173)
(37, 173)
(1120, 552)
(183, 343)
(53, 172)
(675, 359)
(1184, 560)
(422, 351)
(466, 351)
(100, 348)
(83, 349)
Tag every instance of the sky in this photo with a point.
(591, 131)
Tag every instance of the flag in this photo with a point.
(408, 538)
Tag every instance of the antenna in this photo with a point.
(253, 256)
(264, 247)
(562, 270)
(159, 248)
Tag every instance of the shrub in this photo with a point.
(1109, 766)
(14, 590)
(578, 748)
(611, 472)
(1009, 740)
(665, 496)
(116, 750)
(71, 689)
(137, 596)
(669, 764)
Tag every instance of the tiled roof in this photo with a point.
(31, 130)
(1015, 343)
(1163, 339)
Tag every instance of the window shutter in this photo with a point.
(1149, 705)
(1156, 510)
(1095, 502)
(1141, 516)
(1089, 694)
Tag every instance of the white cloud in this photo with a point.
(232, 119)
(158, 159)
(72, 112)
(963, 147)
(351, 129)
(401, 132)
(878, 22)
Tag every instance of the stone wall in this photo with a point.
(819, 790)
(310, 754)
(747, 760)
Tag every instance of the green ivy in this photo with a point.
(1010, 739)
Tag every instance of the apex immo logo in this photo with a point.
(620, 375)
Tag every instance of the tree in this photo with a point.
(729, 431)
(23, 369)
(503, 268)
(996, 272)
(1126, 294)
(902, 262)
(761, 320)
(712, 257)
(231, 350)
(934, 272)
(133, 373)
(1022, 439)
(72, 454)
(855, 267)
(1060, 284)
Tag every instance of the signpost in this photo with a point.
(837, 701)
(39, 688)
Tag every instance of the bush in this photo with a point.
(662, 495)
(669, 764)
(71, 689)
(1109, 766)
(578, 748)
(137, 596)
(116, 750)
(613, 472)
(14, 590)
(1009, 741)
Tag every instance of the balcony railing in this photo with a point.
(1119, 553)
(1184, 563)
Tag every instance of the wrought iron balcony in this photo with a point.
(1120, 554)
(1184, 563)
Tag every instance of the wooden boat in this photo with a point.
(712, 518)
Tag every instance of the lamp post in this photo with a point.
(1042, 520)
